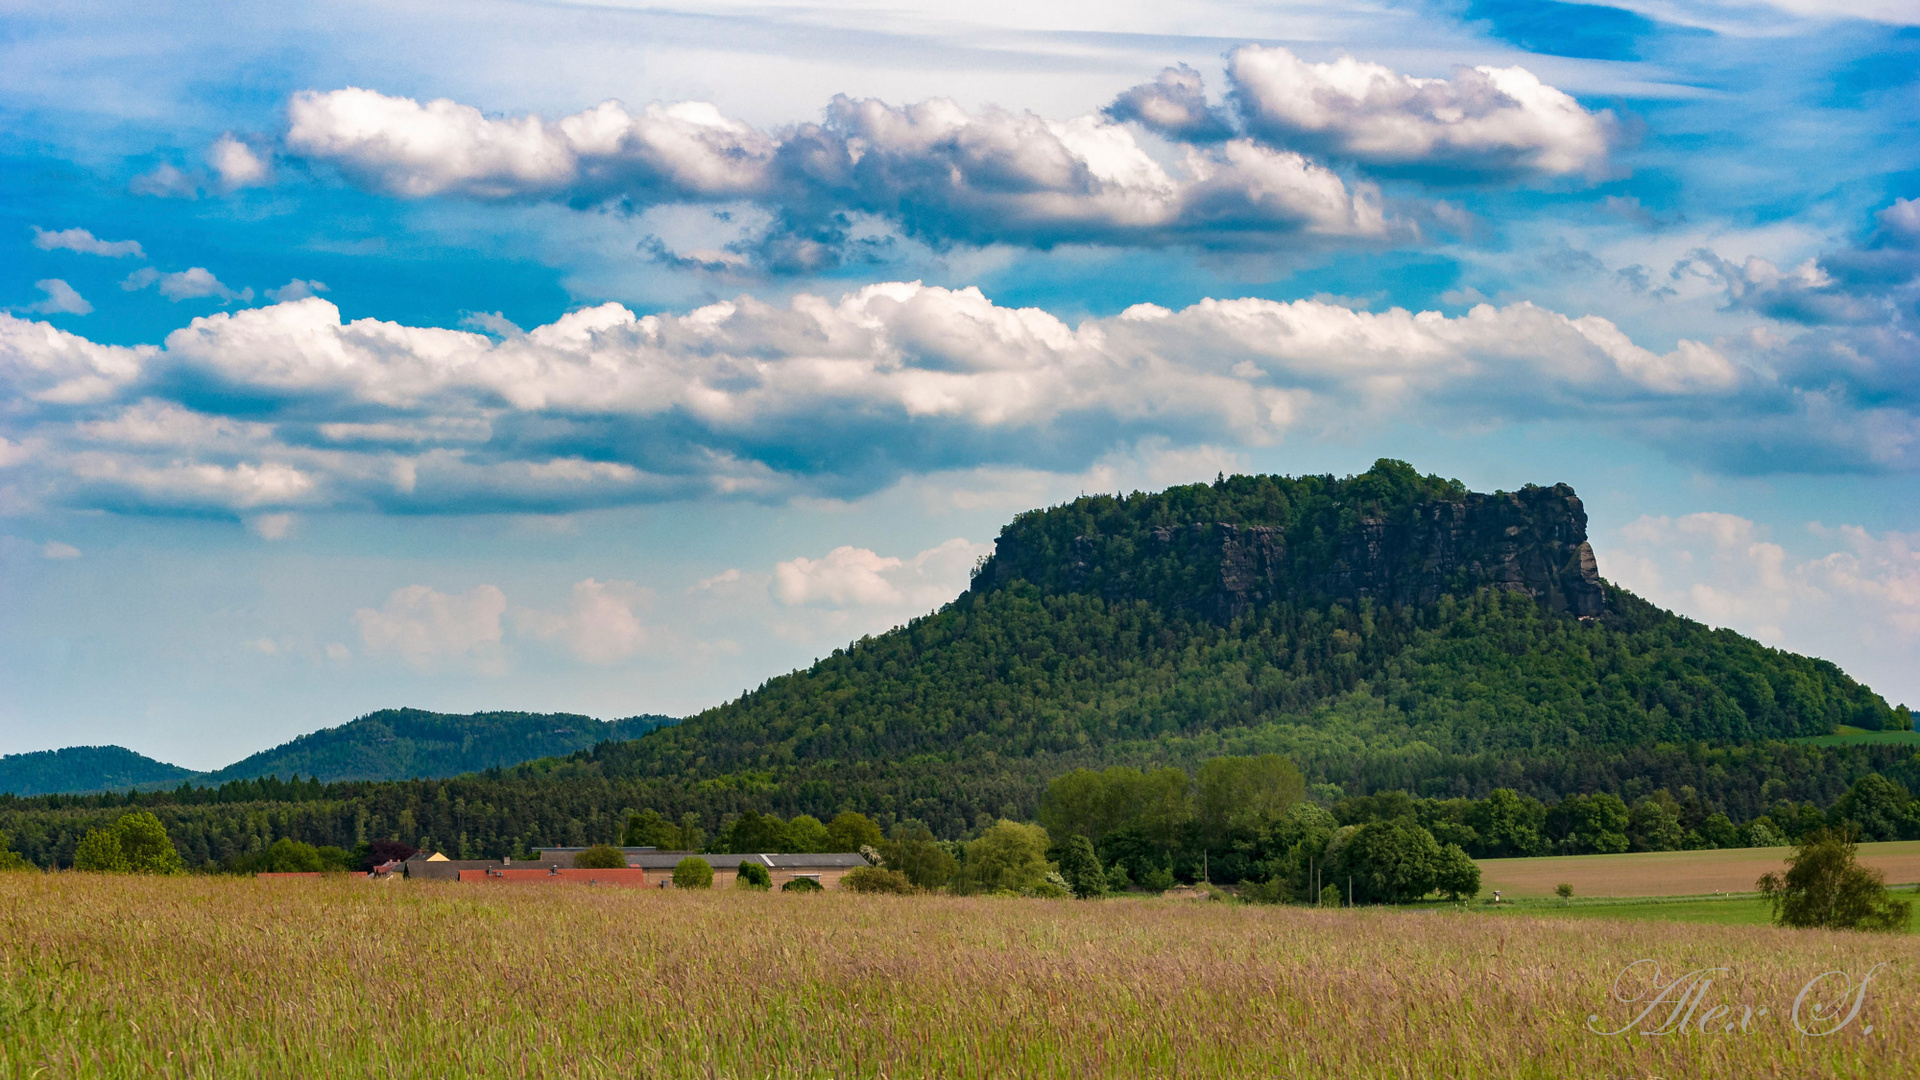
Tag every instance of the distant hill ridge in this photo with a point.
(392, 744)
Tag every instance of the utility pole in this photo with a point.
(1349, 890)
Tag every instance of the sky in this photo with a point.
(614, 358)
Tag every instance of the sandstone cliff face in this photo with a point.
(1532, 541)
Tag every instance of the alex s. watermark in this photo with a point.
(1827, 1004)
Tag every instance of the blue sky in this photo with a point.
(611, 358)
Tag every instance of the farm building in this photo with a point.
(645, 866)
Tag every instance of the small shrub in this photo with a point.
(601, 857)
(801, 884)
(693, 873)
(874, 879)
(1271, 891)
(1157, 880)
(752, 875)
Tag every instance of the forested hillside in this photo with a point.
(397, 744)
(85, 768)
(392, 744)
(1386, 631)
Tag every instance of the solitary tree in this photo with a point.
(693, 873)
(1564, 891)
(1826, 886)
(601, 857)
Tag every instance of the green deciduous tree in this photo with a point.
(1879, 808)
(1825, 886)
(11, 859)
(1008, 857)
(1589, 824)
(1388, 862)
(1246, 793)
(1654, 824)
(137, 844)
(914, 852)
(849, 831)
(805, 834)
(753, 875)
(693, 873)
(1456, 875)
(1509, 825)
(1081, 868)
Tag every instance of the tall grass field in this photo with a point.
(222, 977)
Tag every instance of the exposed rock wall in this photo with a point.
(1532, 541)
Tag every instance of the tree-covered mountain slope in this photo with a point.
(1314, 616)
(86, 768)
(392, 744)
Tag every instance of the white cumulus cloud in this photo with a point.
(425, 627)
(61, 299)
(85, 243)
(853, 577)
(602, 625)
(190, 284)
(236, 164)
(1484, 121)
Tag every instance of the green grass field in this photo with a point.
(221, 977)
(1853, 736)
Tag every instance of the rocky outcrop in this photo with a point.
(1532, 541)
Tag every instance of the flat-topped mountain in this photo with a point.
(1335, 620)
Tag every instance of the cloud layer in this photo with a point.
(286, 407)
(933, 170)
(1231, 176)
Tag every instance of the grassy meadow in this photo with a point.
(1672, 873)
(223, 977)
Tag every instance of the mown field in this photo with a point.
(1672, 873)
(222, 977)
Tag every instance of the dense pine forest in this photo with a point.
(1386, 632)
